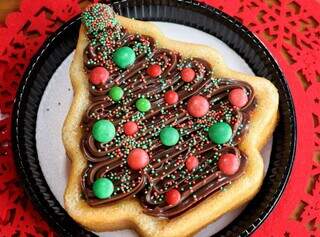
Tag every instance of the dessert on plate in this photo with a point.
(162, 136)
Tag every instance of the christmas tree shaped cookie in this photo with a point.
(162, 136)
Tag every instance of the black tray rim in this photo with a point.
(20, 163)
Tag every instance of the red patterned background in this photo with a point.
(290, 30)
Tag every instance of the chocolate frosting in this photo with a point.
(166, 169)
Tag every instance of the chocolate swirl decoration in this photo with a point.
(192, 194)
(166, 169)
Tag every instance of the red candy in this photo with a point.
(138, 159)
(198, 106)
(192, 162)
(171, 97)
(173, 197)
(99, 75)
(238, 97)
(154, 70)
(229, 164)
(187, 74)
(130, 128)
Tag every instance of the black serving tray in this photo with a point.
(189, 13)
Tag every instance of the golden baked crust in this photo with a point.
(128, 213)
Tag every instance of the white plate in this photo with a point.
(56, 102)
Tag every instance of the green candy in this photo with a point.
(124, 57)
(116, 93)
(220, 132)
(169, 136)
(143, 105)
(103, 131)
(102, 188)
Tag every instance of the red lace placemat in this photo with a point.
(290, 30)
